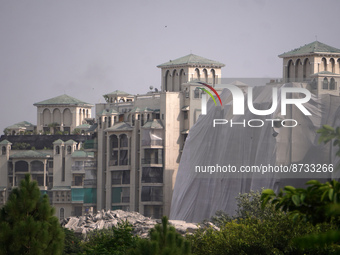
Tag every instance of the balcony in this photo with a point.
(78, 168)
(77, 183)
(151, 161)
(152, 143)
(92, 182)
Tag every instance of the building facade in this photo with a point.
(128, 154)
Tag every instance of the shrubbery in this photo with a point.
(253, 232)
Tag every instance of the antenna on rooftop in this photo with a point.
(316, 38)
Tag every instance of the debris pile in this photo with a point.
(107, 219)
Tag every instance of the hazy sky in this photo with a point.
(87, 48)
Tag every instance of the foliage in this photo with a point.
(7, 131)
(318, 203)
(163, 240)
(254, 230)
(328, 133)
(312, 204)
(248, 206)
(106, 97)
(27, 224)
(21, 146)
(117, 240)
(58, 132)
(253, 236)
(76, 131)
(72, 243)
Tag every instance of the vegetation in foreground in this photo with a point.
(27, 224)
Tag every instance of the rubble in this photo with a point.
(107, 219)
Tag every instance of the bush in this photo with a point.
(163, 240)
(72, 245)
(117, 240)
(255, 231)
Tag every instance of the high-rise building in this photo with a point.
(126, 156)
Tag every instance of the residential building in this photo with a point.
(127, 156)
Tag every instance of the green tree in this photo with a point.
(163, 240)
(27, 224)
(72, 244)
(53, 126)
(327, 134)
(76, 131)
(7, 131)
(117, 240)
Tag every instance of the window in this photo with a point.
(185, 115)
(57, 150)
(325, 83)
(61, 213)
(78, 211)
(123, 140)
(196, 93)
(152, 193)
(332, 84)
(3, 150)
(152, 175)
(123, 159)
(120, 195)
(69, 149)
(153, 211)
(120, 177)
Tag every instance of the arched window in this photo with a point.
(123, 140)
(324, 64)
(174, 74)
(37, 166)
(290, 70)
(306, 69)
(61, 213)
(3, 150)
(213, 76)
(181, 79)
(332, 62)
(332, 84)
(166, 77)
(21, 166)
(314, 85)
(114, 141)
(297, 69)
(205, 73)
(198, 76)
(325, 83)
(57, 150)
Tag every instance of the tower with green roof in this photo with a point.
(317, 64)
(189, 68)
(63, 112)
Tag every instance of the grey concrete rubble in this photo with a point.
(107, 219)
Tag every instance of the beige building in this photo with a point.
(128, 155)
(317, 64)
(63, 113)
(140, 138)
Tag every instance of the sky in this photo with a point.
(87, 48)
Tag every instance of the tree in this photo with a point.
(117, 240)
(327, 134)
(27, 224)
(76, 131)
(53, 125)
(164, 240)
